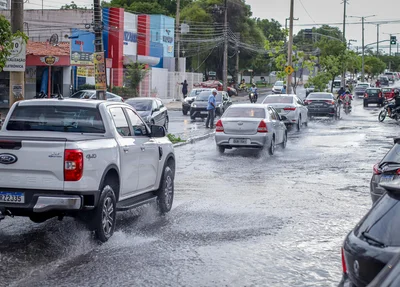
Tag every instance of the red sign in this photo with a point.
(33, 60)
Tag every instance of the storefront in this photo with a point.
(48, 69)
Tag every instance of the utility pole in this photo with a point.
(295, 19)
(363, 46)
(17, 79)
(237, 58)
(225, 64)
(290, 48)
(377, 39)
(343, 82)
(100, 67)
(177, 35)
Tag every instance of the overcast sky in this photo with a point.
(331, 11)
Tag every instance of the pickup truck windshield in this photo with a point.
(70, 119)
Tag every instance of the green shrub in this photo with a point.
(174, 139)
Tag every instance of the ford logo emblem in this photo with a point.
(7, 158)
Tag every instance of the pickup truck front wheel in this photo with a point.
(104, 217)
(165, 194)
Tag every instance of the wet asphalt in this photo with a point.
(239, 219)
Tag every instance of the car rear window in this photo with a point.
(70, 119)
(373, 91)
(383, 221)
(320, 96)
(362, 86)
(244, 112)
(278, 100)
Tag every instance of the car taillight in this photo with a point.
(365, 95)
(344, 267)
(219, 127)
(376, 169)
(73, 165)
(262, 127)
(289, 109)
(330, 102)
(307, 102)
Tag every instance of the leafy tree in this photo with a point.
(374, 66)
(332, 65)
(6, 38)
(146, 8)
(134, 74)
(72, 6)
(166, 7)
(271, 29)
(320, 81)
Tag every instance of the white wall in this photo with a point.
(130, 30)
(159, 82)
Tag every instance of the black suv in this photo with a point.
(373, 96)
(198, 109)
(374, 241)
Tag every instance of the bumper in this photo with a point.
(49, 201)
(359, 94)
(276, 91)
(373, 100)
(258, 140)
(327, 112)
(198, 112)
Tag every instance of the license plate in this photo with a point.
(386, 178)
(12, 197)
(239, 141)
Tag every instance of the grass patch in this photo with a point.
(174, 139)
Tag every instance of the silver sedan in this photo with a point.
(251, 126)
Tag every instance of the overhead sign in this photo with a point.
(16, 62)
(100, 71)
(289, 70)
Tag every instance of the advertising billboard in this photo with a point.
(130, 35)
(82, 47)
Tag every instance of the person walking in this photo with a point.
(184, 88)
(211, 109)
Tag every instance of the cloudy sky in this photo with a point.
(331, 11)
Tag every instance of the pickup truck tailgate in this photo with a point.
(32, 163)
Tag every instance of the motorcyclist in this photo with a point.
(341, 91)
(394, 106)
(378, 83)
(253, 89)
(346, 97)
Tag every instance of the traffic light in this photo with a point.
(393, 40)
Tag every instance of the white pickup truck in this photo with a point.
(82, 158)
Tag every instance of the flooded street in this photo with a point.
(239, 219)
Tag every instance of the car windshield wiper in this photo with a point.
(373, 239)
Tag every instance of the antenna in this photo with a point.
(54, 40)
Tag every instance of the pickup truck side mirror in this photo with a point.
(158, 131)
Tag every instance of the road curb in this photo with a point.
(194, 139)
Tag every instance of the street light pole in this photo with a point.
(363, 47)
(343, 82)
(290, 48)
(377, 39)
(225, 64)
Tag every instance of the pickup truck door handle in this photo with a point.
(126, 148)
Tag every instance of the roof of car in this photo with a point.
(282, 95)
(143, 98)
(247, 105)
(87, 103)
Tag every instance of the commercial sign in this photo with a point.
(82, 47)
(16, 62)
(100, 71)
(49, 60)
(87, 71)
(130, 34)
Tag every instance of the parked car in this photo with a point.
(386, 170)
(85, 159)
(91, 94)
(278, 87)
(322, 105)
(373, 96)
(360, 88)
(198, 109)
(391, 76)
(187, 102)
(374, 241)
(336, 86)
(250, 126)
(291, 107)
(390, 274)
(152, 110)
(388, 93)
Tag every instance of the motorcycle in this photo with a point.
(346, 101)
(253, 98)
(395, 114)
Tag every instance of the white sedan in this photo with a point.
(290, 106)
(250, 126)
